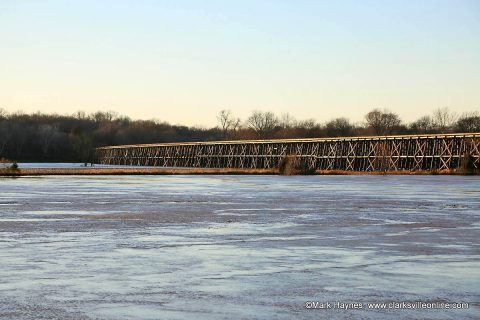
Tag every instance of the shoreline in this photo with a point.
(198, 171)
(130, 171)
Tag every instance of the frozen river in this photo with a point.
(238, 247)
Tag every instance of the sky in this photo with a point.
(183, 61)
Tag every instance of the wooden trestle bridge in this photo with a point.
(379, 153)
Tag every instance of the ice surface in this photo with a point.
(236, 247)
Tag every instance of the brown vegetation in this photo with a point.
(291, 165)
(467, 166)
(132, 171)
(210, 171)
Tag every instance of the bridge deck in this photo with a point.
(373, 153)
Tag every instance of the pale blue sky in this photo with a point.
(182, 61)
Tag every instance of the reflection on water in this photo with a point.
(253, 247)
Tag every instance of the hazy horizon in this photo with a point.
(185, 61)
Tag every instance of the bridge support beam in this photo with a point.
(386, 153)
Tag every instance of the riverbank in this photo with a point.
(130, 171)
(195, 171)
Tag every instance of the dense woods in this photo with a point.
(53, 137)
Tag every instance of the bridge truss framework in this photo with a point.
(385, 153)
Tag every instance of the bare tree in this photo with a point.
(5, 133)
(287, 121)
(5, 136)
(308, 124)
(287, 124)
(101, 116)
(443, 120)
(80, 115)
(263, 123)
(307, 129)
(340, 127)
(423, 125)
(20, 136)
(374, 121)
(82, 146)
(469, 122)
(227, 122)
(47, 133)
(382, 122)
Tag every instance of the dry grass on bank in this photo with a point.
(199, 171)
(131, 171)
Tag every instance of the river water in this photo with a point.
(238, 247)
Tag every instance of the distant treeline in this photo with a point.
(73, 138)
